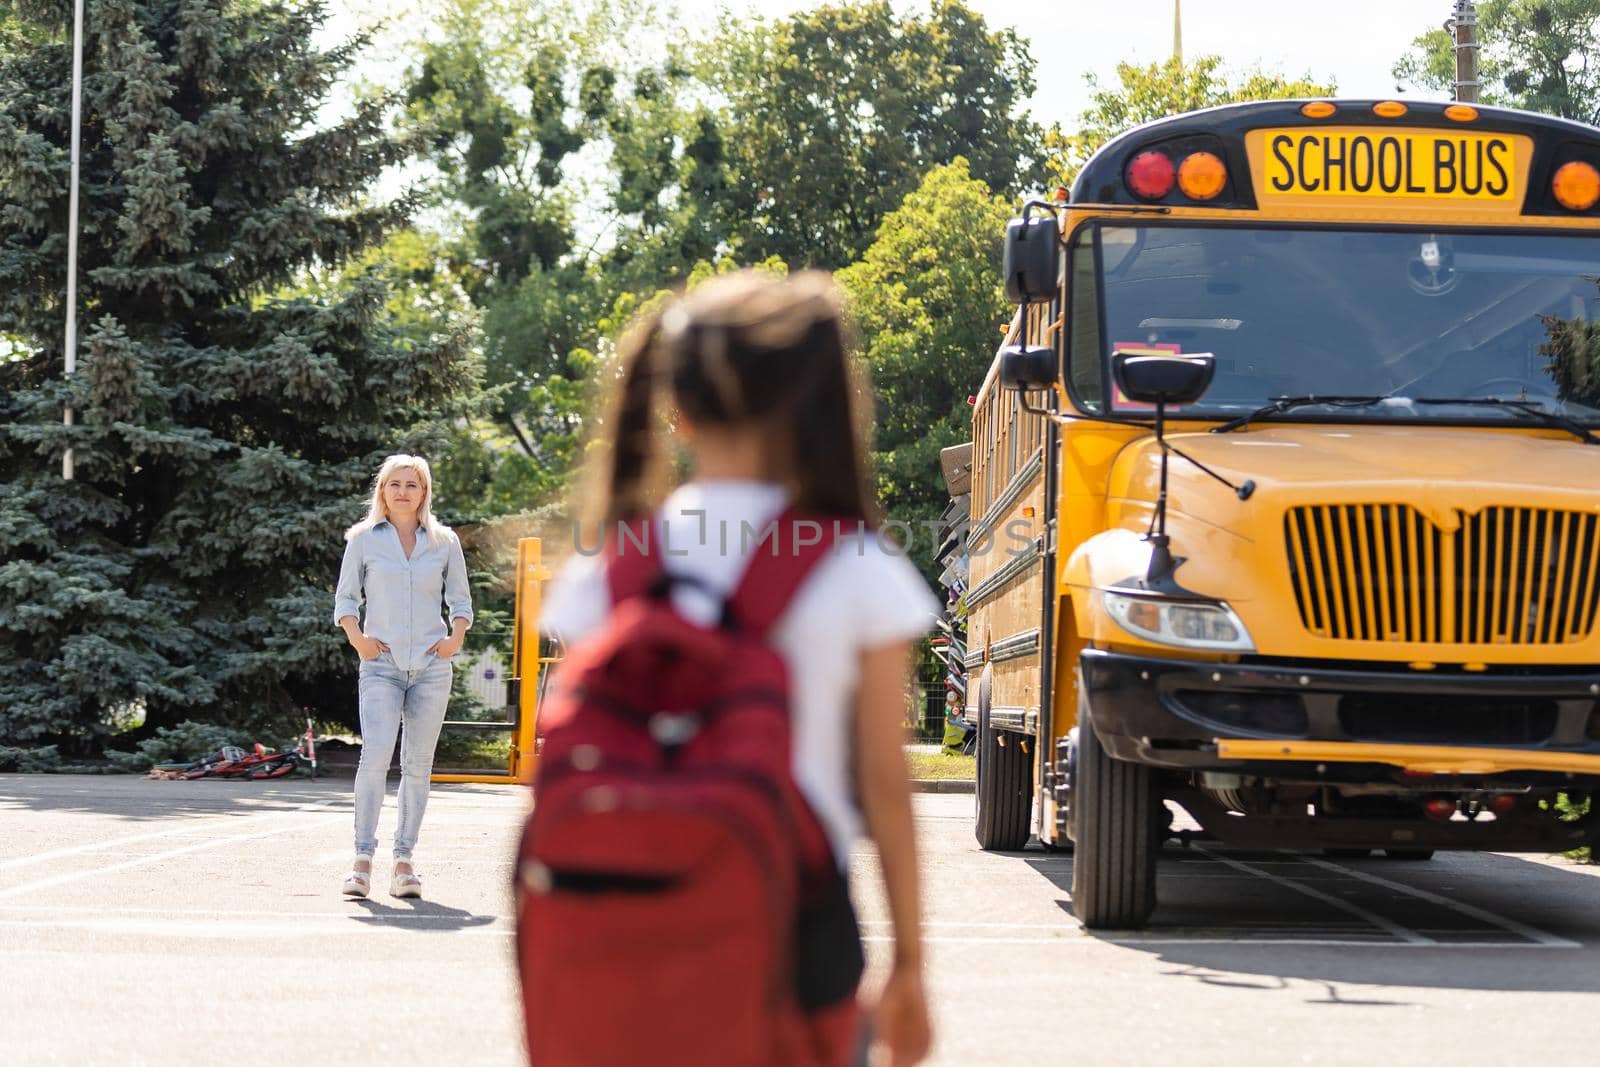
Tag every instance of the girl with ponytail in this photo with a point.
(750, 385)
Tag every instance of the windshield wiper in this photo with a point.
(1281, 404)
(1526, 407)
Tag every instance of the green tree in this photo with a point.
(1539, 55)
(613, 158)
(1146, 93)
(523, 109)
(834, 115)
(927, 304)
(1573, 347)
(231, 401)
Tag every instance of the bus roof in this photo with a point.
(1223, 129)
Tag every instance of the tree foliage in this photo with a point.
(230, 404)
(834, 115)
(1573, 348)
(522, 108)
(927, 305)
(1538, 55)
(613, 169)
(1146, 93)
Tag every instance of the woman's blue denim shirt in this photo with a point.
(403, 595)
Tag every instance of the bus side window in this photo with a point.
(988, 451)
(1085, 351)
(1012, 426)
(994, 447)
(980, 462)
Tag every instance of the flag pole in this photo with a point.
(72, 222)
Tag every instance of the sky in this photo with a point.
(1356, 46)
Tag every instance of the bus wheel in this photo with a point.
(1005, 781)
(1115, 812)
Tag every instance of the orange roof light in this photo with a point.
(1461, 113)
(1317, 109)
(1389, 109)
(1201, 176)
(1576, 185)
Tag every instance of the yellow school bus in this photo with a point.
(1285, 500)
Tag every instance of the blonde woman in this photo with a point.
(403, 563)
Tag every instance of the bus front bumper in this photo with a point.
(1301, 722)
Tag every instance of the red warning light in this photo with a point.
(1151, 175)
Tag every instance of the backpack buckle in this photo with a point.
(674, 728)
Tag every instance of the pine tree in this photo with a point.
(228, 411)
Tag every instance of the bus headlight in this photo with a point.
(1184, 623)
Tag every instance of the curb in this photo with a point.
(943, 785)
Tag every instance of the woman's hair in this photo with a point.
(744, 348)
(432, 528)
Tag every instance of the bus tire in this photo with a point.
(1005, 782)
(1115, 809)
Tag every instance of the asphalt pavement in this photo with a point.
(143, 922)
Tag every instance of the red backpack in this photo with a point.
(677, 901)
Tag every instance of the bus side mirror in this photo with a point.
(1027, 367)
(1032, 259)
(1162, 380)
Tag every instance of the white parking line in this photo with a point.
(1470, 910)
(1324, 942)
(937, 939)
(1409, 936)
(193, 827)
(1084, 938)
(354, 910)
(930, 924)
(239, 930)
(357, 925)
(245, 923)
(140, 861)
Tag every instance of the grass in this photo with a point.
(463, 749)
(1571, 810)
(925, 765)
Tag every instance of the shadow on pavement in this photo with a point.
(1219, 925)
(422, 916)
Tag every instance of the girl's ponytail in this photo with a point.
(633, 463)
(829, 421)
(743, 348)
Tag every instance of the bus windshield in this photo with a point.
(1405, 315)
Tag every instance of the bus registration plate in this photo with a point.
(1367, 163)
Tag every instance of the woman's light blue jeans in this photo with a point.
(390, 697)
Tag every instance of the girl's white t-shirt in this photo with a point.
(862, 595)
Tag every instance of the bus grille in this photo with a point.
(1384, 572)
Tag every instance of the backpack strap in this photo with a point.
(633, 564)
(781, 558)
